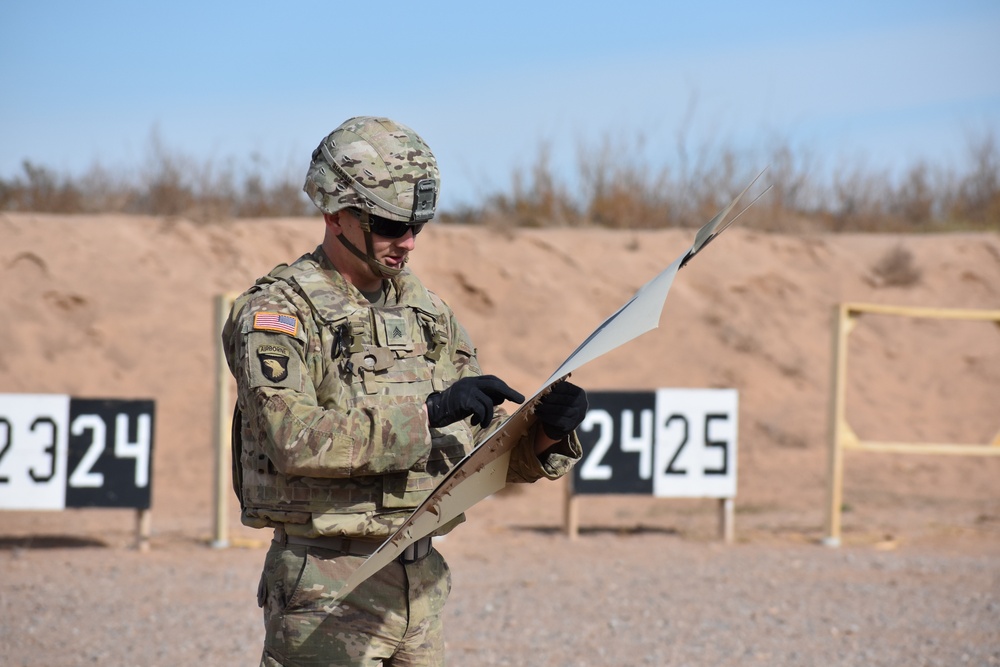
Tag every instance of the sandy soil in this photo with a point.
(119, 307)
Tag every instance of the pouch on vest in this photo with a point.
(236, 441)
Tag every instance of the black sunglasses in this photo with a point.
(391, 229)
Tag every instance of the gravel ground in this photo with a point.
(529, 596)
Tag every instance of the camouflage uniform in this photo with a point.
(336, 443)
(333, 447)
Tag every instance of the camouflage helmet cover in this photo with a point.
(378, 164)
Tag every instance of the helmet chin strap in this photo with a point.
(369, 257)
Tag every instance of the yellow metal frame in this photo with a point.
(842, 437)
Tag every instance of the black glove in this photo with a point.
(475, 396)
(561, 410)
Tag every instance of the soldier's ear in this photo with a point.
(333, 224)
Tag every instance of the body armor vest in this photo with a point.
(366, 358)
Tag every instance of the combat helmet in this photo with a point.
(379, 167)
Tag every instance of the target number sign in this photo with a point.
(57, 452)
(668, 443)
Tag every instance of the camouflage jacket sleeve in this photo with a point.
(553, 463)
(275, 373)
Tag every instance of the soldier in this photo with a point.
(358, 390)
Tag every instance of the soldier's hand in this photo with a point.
(561, 410)
(471, 396)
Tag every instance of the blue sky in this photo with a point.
(486, 84)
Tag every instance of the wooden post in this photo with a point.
(143, 529)
(571, 512)
(223, 427)
(727, 513)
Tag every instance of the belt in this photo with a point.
(354, 546)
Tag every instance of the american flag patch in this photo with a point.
(287, 324)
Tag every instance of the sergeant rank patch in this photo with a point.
(286, 324)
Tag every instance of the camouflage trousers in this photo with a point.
(392, 618)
